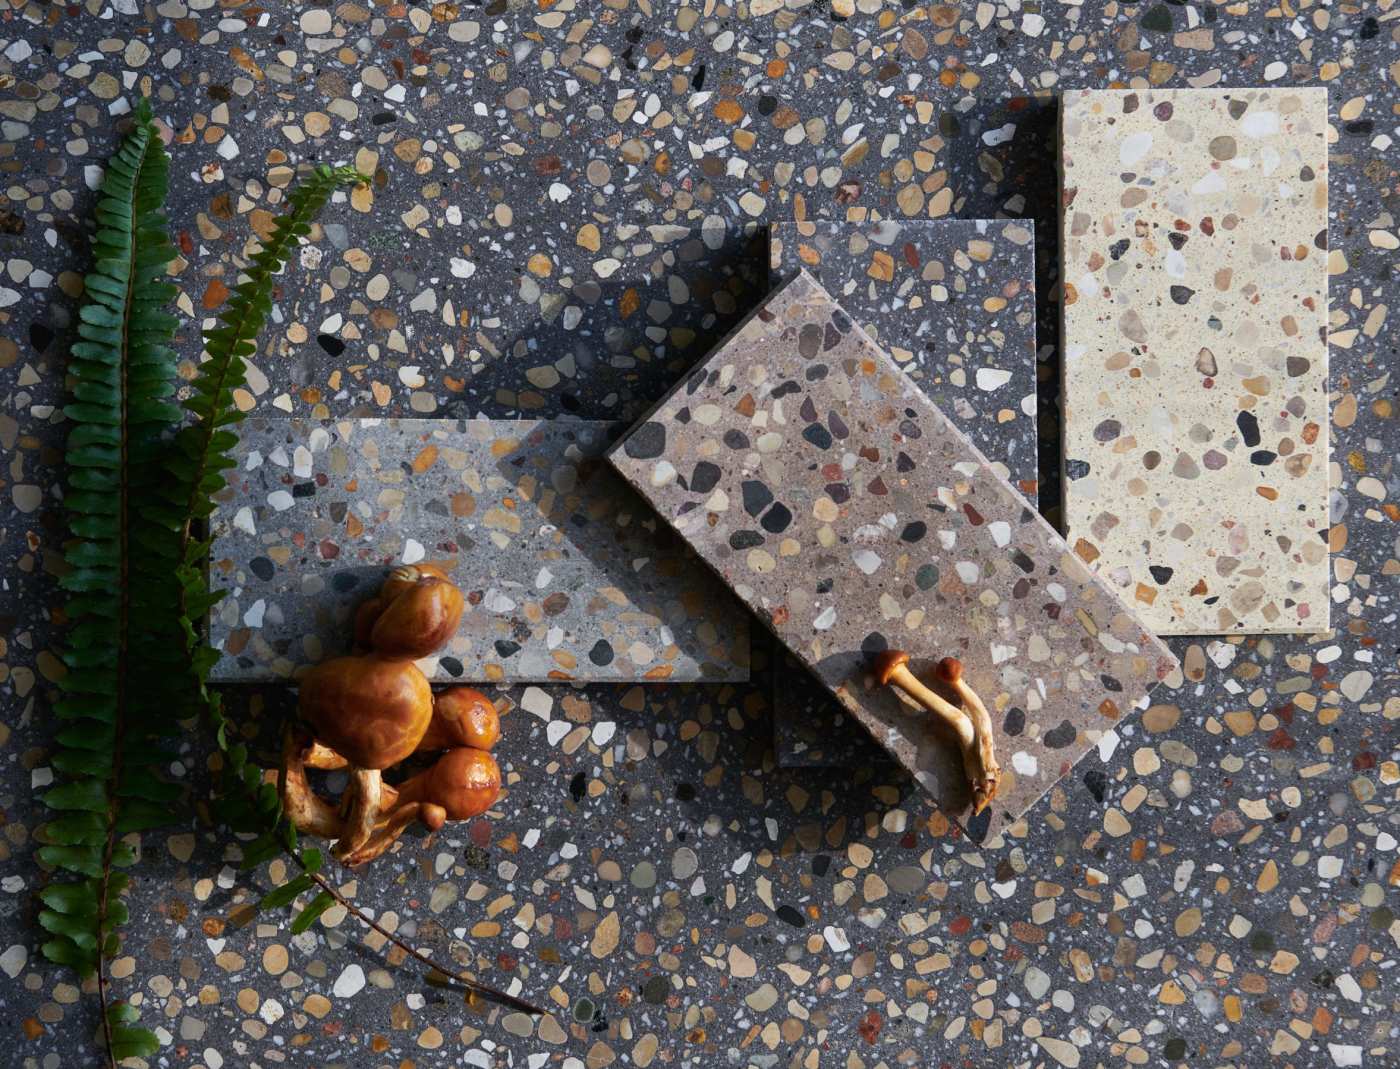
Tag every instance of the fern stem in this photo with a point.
(471, 985)
(123, 673)
(123, 620)
(247, 311)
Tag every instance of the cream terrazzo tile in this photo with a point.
(1195, 374)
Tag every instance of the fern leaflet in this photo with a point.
(124, 659)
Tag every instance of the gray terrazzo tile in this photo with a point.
(853, 517)
(566, 575)
(953, 303)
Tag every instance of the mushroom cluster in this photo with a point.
(970, 724)
(367, 712)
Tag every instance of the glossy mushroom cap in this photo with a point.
(886, 664)
(419, 619)
(949, 670)
(464, 782)
(403, 578)
(371, 710)
(462, 717)
(366, 615)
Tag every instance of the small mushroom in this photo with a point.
(974, 740)
(370, 710)
(892, 669)
(462, 717)
(464, 782)
(419, 614)
(400, 581)
(461, 784)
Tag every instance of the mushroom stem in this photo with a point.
(307, 811)
(392, 826)
(988, 777)
(363, 800)
(896, 673)
(972, 727)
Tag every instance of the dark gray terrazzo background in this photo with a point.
(1261, 792)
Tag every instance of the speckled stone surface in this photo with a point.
(1215, 885)
(1194, 244)
(952, 301)
(847, 511)
(570, 311)
(565, 575)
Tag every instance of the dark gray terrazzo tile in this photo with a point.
(599, 318)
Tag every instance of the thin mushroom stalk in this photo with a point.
(361, 810)
(972, 726)
(950, 673)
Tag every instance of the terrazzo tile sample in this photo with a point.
(852, 516)
(566, 574)
(952, 301)
(1195, 370)
(586, 316)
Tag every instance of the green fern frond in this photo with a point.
(195, 469)
(201, 454)
(123, 649)
(139, 488)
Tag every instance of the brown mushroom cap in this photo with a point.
(366, 614)
(405, 576)
(464, 782)
(371, 710)
(419, 620)
(949, 670)
(462, 716)
(885, 664)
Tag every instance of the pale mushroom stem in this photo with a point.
(363, 801)
(953, 717)
(972, 727)
(389, 828)
(307, 811)
(988, 778)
